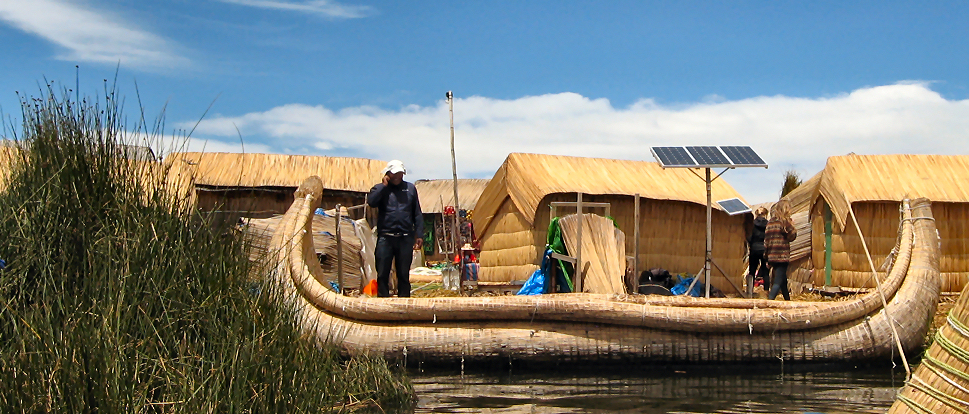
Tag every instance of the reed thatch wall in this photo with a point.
(803, 197)
(431, 193)
(879, 222)
(512, 215)
(274, 170)
(852, 178)
(8, 152)
(527, 178)
(871, 184)
(261, 185)
(672, 235)
(511, 248)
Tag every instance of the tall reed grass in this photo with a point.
(117, 298)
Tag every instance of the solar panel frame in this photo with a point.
(743, 156)
(673, 157)
(734, 206)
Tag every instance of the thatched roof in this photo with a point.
(852, 178)
(273, 170)
(803, 197)
(526, 179)
(431, 191)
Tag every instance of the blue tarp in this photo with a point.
(684, 284)
(535, 285)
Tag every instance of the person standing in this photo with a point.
(777, 242)
(758, 265)
(400, 227)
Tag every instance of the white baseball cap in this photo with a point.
(395, 167)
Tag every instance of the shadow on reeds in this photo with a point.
(118, 298)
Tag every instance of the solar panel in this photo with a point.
(708, 156)
(672, 157)
(733, 206)
(744, 156)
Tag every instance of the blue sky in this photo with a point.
(797, 81)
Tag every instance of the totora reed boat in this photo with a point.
(593, 327)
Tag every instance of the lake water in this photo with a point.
(768, 388)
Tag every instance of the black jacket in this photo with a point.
(399, 210)
(757, 235)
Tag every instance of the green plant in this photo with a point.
(791, 181)
(118, 298)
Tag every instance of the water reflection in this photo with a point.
(692, 389)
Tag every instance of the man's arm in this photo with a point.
(418, 216)
(376, 195)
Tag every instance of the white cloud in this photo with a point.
(789, 133)
(87, 35)
(326, 8)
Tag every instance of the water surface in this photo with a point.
(659, 389)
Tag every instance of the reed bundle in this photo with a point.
(260, 232)
(941, 382)
(603, 249)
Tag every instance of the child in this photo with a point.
(758, 266)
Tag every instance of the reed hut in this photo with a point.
(262, 185)
(513, 213)
(867, 188)
(434, 195)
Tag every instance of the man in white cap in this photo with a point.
(400, 227)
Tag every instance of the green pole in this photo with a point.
(827, 245)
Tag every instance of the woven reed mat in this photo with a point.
(603, 248)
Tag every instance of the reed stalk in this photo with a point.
(119, 298)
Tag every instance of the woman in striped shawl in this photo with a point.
(777, 242)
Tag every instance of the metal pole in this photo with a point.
(339, 252)
(454, 166)
(636, 240)
(578, 250)
(457, 207)
(709, 255)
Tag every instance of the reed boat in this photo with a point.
(941, 381)
(597, 327)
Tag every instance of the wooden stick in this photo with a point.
(636, 238)
(891, 320)
(339, 251)
(578, 250)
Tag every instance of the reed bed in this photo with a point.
(117, 298)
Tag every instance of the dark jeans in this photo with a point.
(780, 281)
(391, 249)
(758, 267)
